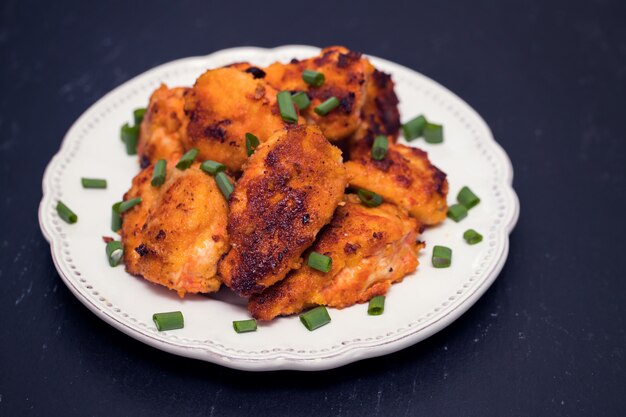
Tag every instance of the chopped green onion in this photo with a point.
(252, 142)
(223, 182)
(467, 198)
(316, 318)
(379, 149)
(187, 159)
(327, 106)
(286, 107)
(244, 326)
(442, 257)
(320, 262)
(369, 198)
(376, 306)
(115, 251)
(314, 78)
(93, 183)
(433, 133)
(138, 115)
(212, 167)
(158, 174)
(66, 214)
(127, 205)
(116, 219)
(301, 99)
(457, 212)
(414, 128)
(168, 321)
(472, 237)
(130, 135)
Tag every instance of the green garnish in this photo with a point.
(379, 149)
(244, 326)
(158, 174)
(369, 198)
(224, 184)
(212, 167)
(327, 106)
(472, 237)
(130, 135)
(320, 262)
(187, 159)
(93, 183)
(286, 107)
(127, 205)
(414, 128)
(115, 251)
(316, 318)
(138, 115)
(467, 198)
(314, 78)
(457, 212)
(168, 321)
(301, 99)
(442, 257)
(116, 219)
(66, 214)
(433, 133)
(252, 142)
(376, 306)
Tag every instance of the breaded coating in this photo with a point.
(289, 189)
(371, 248)
(224, 105)
(404, 177)
(346, 76)
(177, 234)
(164, 126)
(380, 115)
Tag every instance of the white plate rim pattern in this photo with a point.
(342, 352)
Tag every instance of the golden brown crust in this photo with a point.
(371, 248)
(177, 234)
(224, 105)
(404, 177)
(288, 191)
(163, 127)
(345, 73)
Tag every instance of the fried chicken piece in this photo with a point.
(177, 234)
(163, 127)
(289, 189)
(224, 105)
(371, 248)
(404, 177)
(380, 115)
(346, 75)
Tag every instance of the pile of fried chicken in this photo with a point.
(292, 196)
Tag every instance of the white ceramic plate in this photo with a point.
(421, 305)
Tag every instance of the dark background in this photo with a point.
(548, 337)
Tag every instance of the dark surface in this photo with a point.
(547, 338)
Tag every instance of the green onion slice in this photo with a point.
(130, 135)
(369, 198)
(327, 106)
(376, 306)
(442, 257)
(314, 78)
(433, 133)
(115, 251)
(244, 326)
(472, 237)
(467, 198)
(127, 205)
(224, 184)
(286, 107)
(316, 318)
(379, 149)
(93, 183)
(212, 167)
(66, 214)
(414, 128)
(457, 212)
(138, 115)
(168, 321)
(116, 219)
(320, 262)
(187, 159)
(158, 174)
(301, 100)
(252, 142)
